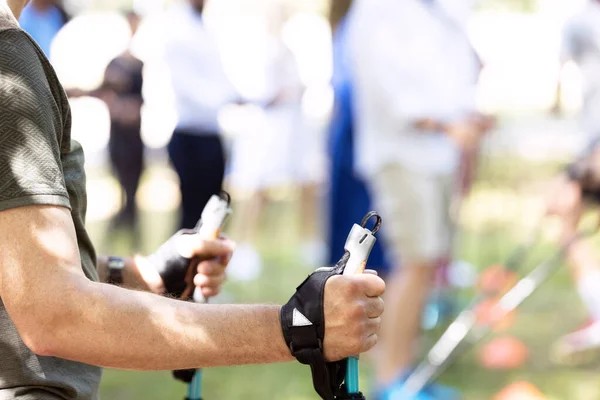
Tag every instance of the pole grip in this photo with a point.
(359, 244)
(209, 227)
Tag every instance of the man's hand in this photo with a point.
(353, 309)
(467, 134)
(213, 256)
(186, 258)
(484, 122)
(564, 197)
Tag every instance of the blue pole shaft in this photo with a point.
(195, 386)
(352, 375)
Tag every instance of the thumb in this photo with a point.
(195, 246)
(372, 285)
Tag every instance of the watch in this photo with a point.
(115, 270)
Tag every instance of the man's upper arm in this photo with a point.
(36, 229)
(39, 266)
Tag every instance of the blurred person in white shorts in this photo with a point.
(274, 148)
(415, 75)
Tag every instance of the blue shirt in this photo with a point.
(349, 198)
(41, 25)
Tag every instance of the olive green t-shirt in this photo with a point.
(39, 164)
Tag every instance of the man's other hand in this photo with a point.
(212, 257)
(466, 134)
(353, 309)
(564, 197)
(187, 259)
(484, 122)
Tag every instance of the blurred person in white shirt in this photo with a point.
(415, 75)
(274, 149)
(201, 89)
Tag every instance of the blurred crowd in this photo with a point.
(377, 108)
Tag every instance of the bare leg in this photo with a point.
(313, 246)
(407, 293)
(309, 212)
(248, 214)
(246, 263)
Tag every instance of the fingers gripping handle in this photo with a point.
(214, 215)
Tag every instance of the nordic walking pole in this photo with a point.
(214, 215)
(464, 332)
(359, 244)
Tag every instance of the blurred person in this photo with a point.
(61, 322)
(415, 113)
(42, 19)
(60, 6)
(278, 150)
(121, 90)
(349, 199)
(201, 88)
(569, 197)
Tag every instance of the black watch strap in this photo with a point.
(115, 267)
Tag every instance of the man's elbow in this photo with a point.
(37, 335)
(42, 325)
(42, 345)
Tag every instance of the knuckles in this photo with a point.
(359, 311)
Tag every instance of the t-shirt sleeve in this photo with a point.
(30, 128)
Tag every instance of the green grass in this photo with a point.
(549, 313)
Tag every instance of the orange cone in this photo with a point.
(504, 353)
(520, 391)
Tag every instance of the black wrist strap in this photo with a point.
(303, 325)
(171, 266)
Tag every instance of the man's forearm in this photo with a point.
(113, 327)
(138, 274)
